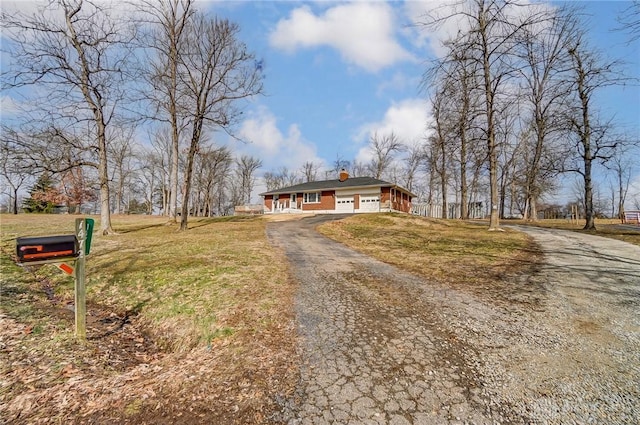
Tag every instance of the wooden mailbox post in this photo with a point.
(61, 250)
(84, 230)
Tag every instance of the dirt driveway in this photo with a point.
(381, 346)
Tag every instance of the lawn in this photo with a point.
(444, 250)
(213, 300)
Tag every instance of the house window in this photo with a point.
(312, 198)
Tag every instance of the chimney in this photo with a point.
(344, 174)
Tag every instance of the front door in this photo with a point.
(294, 201)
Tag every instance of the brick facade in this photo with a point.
(391, 197)
(327, 202)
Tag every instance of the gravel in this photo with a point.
(381, 346)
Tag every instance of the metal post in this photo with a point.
(80, 290)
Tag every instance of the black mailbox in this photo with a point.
(43, 248)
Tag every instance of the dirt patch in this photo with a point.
(119, 375)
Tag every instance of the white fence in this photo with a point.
(453, 211)
(632, 217)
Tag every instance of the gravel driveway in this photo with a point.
(381, 346)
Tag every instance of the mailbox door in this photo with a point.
(42, 248)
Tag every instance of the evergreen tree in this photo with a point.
(43, 196)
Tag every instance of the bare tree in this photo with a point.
(440, 145)
(621, 167)
(76, 189)
(281, 178)
(150, 176)
(630, 20)
(272, 180)
(122, 157)
(14, 168)
(506, 137)
(289, 177)
(216, 72)
(220, 166)
(358, 169)
(246, 167)
(488, 43)
(592, 141)
(310, 171)
(161, 154)
(384, 149)
(464, 82)
(60, 153)
(338, 164)
(169, 19)
(75, 50)
(545, 90)
(415, 155)
(456, 76)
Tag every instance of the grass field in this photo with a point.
(444, 250)
(214, 294)
(188, 285)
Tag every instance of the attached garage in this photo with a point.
(345, 204)
(369, 203)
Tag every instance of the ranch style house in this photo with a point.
(344, 195)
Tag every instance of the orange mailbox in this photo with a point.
(45, 248)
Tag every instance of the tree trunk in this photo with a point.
(621, 195)
(99, 119)
(533, 205)
(193, 148)
(175, 27)
(503, 193)
(15, 201)
(464, 202)
(443, 181)
(105, 211)
(494, 222)
(173, 178)
(590, 223)
(120, 194)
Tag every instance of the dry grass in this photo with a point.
(187, 285)
(447, 251)
(211, 310)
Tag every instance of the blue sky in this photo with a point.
(336, 72)
(332, 79)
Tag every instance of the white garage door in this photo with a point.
(344, 204)
(370, 203)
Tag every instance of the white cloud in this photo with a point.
(51, 11)
(26, 7)
(8, 106)
(408, 119)
(421, 11)
(363, 33)
(274, 147)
